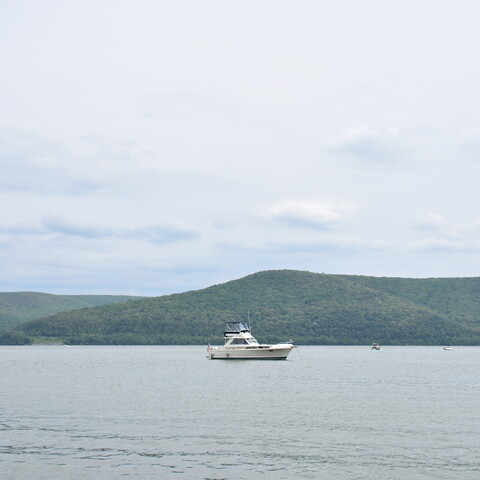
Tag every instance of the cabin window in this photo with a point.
(239, 341)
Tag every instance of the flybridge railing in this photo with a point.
(236, 327)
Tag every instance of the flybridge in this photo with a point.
(236, 327)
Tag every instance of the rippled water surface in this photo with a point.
(169, 413)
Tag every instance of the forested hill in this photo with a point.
(18, 307)
(308, 308)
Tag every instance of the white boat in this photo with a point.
(447, 348)
(239, 343)
(376, 346)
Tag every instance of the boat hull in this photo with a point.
(273, 352)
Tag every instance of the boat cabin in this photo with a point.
(240, 341)
(237, 334)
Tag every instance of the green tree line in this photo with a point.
(305, 307)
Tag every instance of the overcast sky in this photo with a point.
(157, 146)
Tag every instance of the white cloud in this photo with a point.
(369, 144)
(430, 222)
(312, 214)
(434, 245)
(22, 229)
(329, 243)
(159, 234)
(468, 230)
(446, 236)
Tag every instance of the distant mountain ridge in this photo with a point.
(18, 307)
(309, 308)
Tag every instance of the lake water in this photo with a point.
(169, 413)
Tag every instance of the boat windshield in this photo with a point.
(236, 327)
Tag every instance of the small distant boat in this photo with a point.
(239, 343)
(447, 348)
(376, 346)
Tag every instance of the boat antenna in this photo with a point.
(249, 321)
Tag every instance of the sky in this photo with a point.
(150, 147)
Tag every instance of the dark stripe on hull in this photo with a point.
(248, 358)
